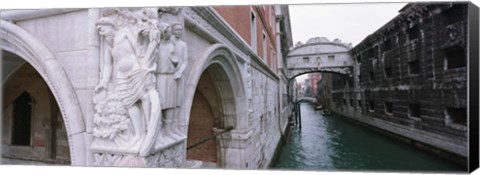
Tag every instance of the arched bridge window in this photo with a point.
(22, 119)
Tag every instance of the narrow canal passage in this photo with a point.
(334, 143)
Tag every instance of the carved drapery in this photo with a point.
(129, 122)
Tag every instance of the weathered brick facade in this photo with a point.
(411, 77)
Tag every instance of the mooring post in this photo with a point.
(296, 111)
(299, 116)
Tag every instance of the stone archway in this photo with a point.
(227, 101)
(32, 126)
(204, 119)
(20, 42)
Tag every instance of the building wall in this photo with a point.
(238, 17)
(268, 105)
(68, 37)
(324, 88)
(403, 84)
(261, 113)
(314, 79)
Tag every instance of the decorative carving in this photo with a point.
(173, 57)
(455, 35)
(128, 106)
(298, 44)
(453, 32)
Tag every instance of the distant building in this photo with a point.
(314, 78)
(324, 90)
(410, 78)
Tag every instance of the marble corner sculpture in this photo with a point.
(136, 99)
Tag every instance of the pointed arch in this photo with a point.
(218, 58)
(18, 41)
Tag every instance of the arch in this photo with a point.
(18, 41)
(221, 66)
(346, 77)
(318, 71)
(232, 91)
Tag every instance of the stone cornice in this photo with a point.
(319, 43)
(221, 31)
(310, 54)
(19, 15)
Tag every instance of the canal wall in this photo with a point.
(410, 78)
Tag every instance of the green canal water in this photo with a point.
(334, 143)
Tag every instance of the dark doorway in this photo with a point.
(22, 111)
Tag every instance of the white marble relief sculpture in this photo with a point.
(126, 101)
(141, 68)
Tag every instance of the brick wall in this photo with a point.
(238, 17)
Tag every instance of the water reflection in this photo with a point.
(333, 143)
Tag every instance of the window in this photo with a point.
(359, 59)
(272, 57)
(331, 57)
(306, 60)
(369, 53)
(359, 103)
(387, 45)
(352, 102)
(264, 45)
(388, 107)
(371, 105)
(375, 51)
(388, 72)
(319, 60)
(272, 17)
(22, 118)
(253, 32)
(372, 76)
(414, 67)
(413, 33)
(455, 59)
(414, 110)
(457, 116)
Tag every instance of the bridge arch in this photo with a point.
(320, 55)
(16, 40)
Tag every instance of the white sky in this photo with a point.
(350, 23)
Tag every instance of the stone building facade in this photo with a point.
(410, 78)
(229, 80)
(324, 88)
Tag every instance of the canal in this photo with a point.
(335, 143)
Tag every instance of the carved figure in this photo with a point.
(171, 63)
(181, 52)
(126, 102)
